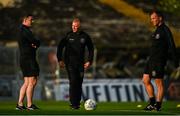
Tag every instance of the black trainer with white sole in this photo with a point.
(157, 107)
(33, 107)
(18, 107)
(149, 107)
(74, 107)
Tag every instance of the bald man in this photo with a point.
(75, 43)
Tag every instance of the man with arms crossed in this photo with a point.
(28, 45)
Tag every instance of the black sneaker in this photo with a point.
(74, 107)
(149, 107)
(157, 108)
(32, 107)
(18, 107)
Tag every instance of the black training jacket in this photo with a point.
(75, 44)
(162, 45)
(25, 42)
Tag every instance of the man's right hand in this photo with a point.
(62, 65)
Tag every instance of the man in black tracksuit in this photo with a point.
(162, 44)
(74, 44)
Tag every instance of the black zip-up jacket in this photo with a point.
(75, 44)
(25, 42)
(162, 45)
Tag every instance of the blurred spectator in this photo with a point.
(54, 65)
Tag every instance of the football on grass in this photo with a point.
(90, 104)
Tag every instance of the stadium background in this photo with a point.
(120, 31)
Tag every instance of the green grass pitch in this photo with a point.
(103, 108)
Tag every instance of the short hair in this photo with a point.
(26, 16)
(76, 20)
(159, 13)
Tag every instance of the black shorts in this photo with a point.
(155, 70)
(29, 67)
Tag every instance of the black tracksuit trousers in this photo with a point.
(75, 75)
